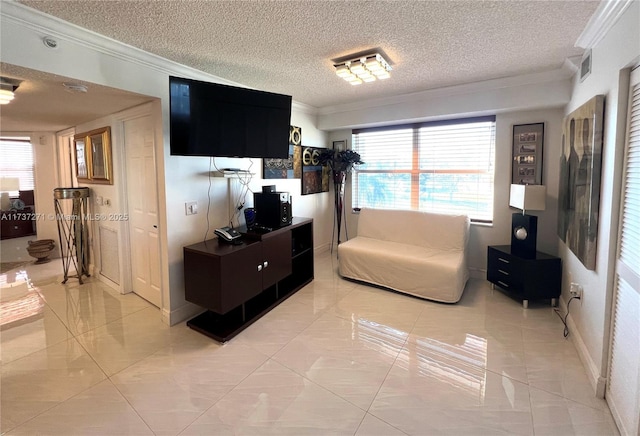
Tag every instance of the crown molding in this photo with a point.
(47, 25)
(602, 20)
(304, 108)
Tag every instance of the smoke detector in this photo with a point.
(75, 87)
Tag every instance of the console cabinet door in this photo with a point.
(221, 282)
(240, 277)
(276, 254)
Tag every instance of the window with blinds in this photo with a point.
(442, 167)
(16, 162)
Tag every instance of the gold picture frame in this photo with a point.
(93, 156)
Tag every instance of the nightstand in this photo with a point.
(534, 278)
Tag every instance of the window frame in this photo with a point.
(27, 182)
(415, 172)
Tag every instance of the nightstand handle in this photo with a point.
(503, 260)
(503, 272)
(503, 284)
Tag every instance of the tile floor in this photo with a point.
(337, 358)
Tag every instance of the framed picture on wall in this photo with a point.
(315, 176)
(93, 156)
(528, 142)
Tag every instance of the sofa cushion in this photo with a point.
(423, 229)
(424, 272)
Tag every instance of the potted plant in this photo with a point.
(341, 163)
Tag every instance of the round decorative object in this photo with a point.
(520, 233)
(41, 249)
(17, 204)
(315, 157)
(295, 135)
(306, 156)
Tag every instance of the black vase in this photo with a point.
(339, 178)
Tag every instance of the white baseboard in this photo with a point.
(477, 273)
(318, 249)
(181, 314)
(113, 285)
(598, 383)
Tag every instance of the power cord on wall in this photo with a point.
(211, 162)
(237, 198)
(564, 320)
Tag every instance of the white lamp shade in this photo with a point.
(528, 197)
(9, 184)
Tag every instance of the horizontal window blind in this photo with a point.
(443, 167)
(623, 390)
(16, 161)
(630, 237)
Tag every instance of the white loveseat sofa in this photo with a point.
(417, 253)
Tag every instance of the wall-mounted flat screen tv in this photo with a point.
(210, 119)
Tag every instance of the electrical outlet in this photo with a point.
(191, 208)
(576, 290)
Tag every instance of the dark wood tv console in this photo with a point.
(238, 284)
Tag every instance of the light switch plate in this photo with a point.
(191, 207)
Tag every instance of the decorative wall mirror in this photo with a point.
(93, 156)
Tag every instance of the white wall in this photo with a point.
(619, 49)
(85, 56)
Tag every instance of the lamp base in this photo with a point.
(524, 233)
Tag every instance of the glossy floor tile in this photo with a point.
(336, 358)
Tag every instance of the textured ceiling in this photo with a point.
(287, 46)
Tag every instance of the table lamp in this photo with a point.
(8, 185)
(524, 228)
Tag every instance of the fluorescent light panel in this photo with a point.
(6, 90)
(6, 96)
(364, 69)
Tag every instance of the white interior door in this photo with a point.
(143, 208)
(623, 391)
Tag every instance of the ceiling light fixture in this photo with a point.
(367, 68)
(75, 87)
(7, 90)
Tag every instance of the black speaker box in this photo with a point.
(273, 209)
(524, 232)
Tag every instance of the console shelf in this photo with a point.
(238, 284)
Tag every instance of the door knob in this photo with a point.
(266, 264)
(259, 267)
